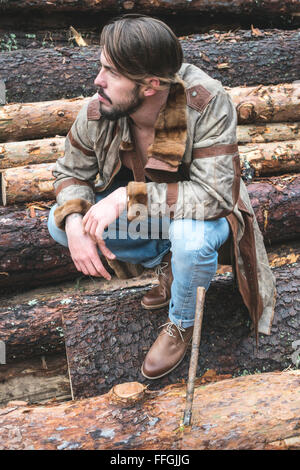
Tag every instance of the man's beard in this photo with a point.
(124, 109)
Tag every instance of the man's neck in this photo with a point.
(145, 117)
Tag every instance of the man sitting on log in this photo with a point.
(151, 177)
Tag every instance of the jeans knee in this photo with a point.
(56, 233)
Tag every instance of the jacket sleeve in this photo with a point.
(214, 174)
(75, 172)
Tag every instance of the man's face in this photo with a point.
(118, 96)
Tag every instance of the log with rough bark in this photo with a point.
(270, 132)
(263, 104)
(29, 183)
(240, 413)
(107, 333)
(37, 120)
(235, 59)
(35, 182)
(271, 158)
(245, 7)
(28, 255)
(278, 103)
(31, 152)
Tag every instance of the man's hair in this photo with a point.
(140, 46)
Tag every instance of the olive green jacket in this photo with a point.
(192, 171)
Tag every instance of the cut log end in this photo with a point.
(128, 393)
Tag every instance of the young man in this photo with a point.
(156, 148)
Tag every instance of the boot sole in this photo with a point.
(170, 370)
(155, 307)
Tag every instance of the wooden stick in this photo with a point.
(194, 356)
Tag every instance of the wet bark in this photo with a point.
(234, 59)
(263, 104)
(240, 413)
(107, 333)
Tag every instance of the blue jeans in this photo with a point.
(194, 245)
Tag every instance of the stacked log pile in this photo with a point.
(90, 340)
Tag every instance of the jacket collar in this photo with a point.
(170, 132)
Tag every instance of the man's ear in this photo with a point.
(151, 86)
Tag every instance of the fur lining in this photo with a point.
(137, 197)
(171, 128)
(80, 206)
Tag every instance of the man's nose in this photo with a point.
(99, 80)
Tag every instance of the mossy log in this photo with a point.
(262, 104)
(239, 414)
(240, 58)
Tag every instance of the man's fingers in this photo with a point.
(104, 250)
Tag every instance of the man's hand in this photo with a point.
(83, 249)
(101, 215)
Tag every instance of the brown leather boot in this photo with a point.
(167, 351)
(159, 296)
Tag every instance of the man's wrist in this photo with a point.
(74, 217)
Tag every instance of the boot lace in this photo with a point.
(169, 325)
(159, 270)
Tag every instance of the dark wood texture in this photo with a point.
(107, 333)
(235, 59)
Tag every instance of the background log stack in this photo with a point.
(78, 340)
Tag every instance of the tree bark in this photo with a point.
(29, 256)
(271, 158)
(144, 6)
(31, 152)
(235, 59)
(263, 104)
(266, 104)
(35, 182)
(259, 133)
(29, 183)
(107, 333)
(37, 120)
(226, 415)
